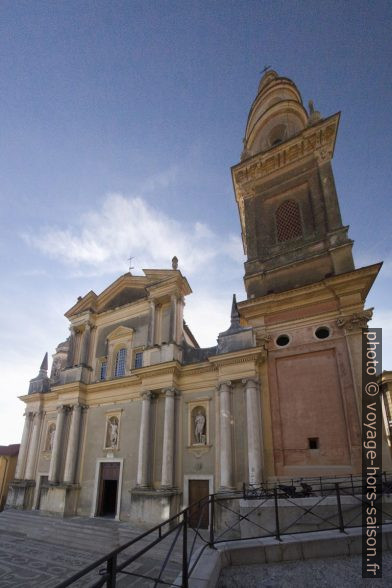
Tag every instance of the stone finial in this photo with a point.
(235, 315)
(175, 263)
(314, 115)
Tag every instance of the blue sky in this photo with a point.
(120, 121)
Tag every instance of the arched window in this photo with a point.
(288, 221)
(119, 369)
(277, 135)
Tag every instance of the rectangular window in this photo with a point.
(102, 372)
(120, 362)
(138, 359)
(313, 443)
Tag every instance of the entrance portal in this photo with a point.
(108, 489)
(199, 514)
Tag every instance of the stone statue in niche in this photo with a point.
(112, 432)
(199, 425)
(50, 437)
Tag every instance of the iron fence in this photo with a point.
(267, 510)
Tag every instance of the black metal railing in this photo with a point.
(266, 510)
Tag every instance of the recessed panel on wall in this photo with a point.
(313, 424)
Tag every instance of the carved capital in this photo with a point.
(224, 386)
(353, 322)
(323, 155)
(147, 395)
(62, 408)
(250, 383)
(171, 392)
(77, 406)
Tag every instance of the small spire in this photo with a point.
(44, 364)
(175, 262)
(235, 315)
(43, 370)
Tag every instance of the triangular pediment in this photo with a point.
(120, 333)
(124, 290)
(85, 303)
(128, 289)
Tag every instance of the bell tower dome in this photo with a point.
(277, 114)
(292, 230)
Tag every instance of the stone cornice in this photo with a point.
(255, 354)
(333, 288)
(172, 367)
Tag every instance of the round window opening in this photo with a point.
(322, 333)
(283, 340)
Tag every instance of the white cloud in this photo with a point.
(102, 240)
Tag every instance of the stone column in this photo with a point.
(24, 445)
(253, 432)
(73, 445)
(144, 442)
(57, 446)
(71, 348)
(32, 455)
(226, 449)
(151, 325)
(173, 319)
(85, 345)
(168, 440)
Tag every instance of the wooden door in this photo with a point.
(199, 514)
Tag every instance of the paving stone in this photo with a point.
(39, 550)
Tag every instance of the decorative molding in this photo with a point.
(353, 322)
(257, 357)
(316, 141)
(199, 450)
(263, 339)
(120, 333)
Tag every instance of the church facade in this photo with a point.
(135, 420)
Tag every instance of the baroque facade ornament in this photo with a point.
(358, 320)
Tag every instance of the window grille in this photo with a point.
(288, 221)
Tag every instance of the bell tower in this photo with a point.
(305, 300)
(291, 225)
